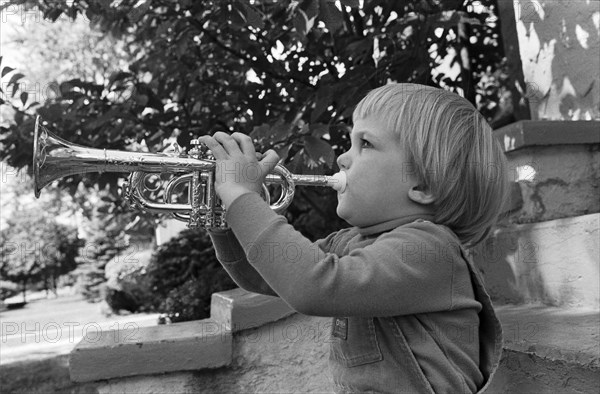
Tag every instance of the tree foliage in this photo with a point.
(50, 52)
(34, 247)
(105, 239)
(288, 73)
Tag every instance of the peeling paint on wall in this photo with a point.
(559, 44)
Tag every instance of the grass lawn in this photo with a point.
(41, 377)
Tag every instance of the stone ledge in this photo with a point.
(188, 346)
(149, 350)
(527, 373)
(527, 133)
(566, 340)
(555, 334)
(239, 309)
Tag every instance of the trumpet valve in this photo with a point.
(174, 150)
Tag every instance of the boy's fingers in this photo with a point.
(245, 143)
(269, 160)
(229, 144)
(214, 146)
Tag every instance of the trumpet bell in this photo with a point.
(53, 158)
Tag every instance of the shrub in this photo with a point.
(126, 286)
(8, 289)
(183, 274)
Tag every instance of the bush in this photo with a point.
(8, 289)
(126, 286)
(183, 274)
(119, 300)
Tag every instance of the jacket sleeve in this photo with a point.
(233, 259)
(405, 271)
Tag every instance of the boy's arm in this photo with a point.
(408, 270)
(233, 259)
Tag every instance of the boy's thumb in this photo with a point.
(269, 161)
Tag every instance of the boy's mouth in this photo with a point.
(339, 182)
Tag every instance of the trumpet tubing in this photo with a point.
(55, 158)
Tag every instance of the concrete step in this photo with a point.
(548, 350)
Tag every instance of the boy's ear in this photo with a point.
(420, 196)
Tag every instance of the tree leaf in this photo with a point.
(351, 3)
(253, 16)
(24, 96)
(53, 14)
(32, 105)
(237, 16)
(137, 12)
(301, 22)
(322, 101)
(312, 9)
(260, 132)
(13, 81)
(319, 151)
(6, 70)
(280, 130)
(319, 129)
(330, 15)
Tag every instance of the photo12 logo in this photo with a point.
(531, 92)
(529, 11)
(19, 13)
(30, 93)
(71, 332)
(10, 174)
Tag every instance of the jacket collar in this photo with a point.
(392, 224)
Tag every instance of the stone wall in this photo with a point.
(559, 48)
(546, 250)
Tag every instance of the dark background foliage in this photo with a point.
(182, 276)
(287, 73)
(310, 63)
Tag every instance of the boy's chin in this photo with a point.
(341, 212)
(344, 214)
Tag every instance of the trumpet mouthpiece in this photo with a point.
(338, 181)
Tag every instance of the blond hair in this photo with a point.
(451, 150)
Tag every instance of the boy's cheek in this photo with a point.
(341, 209)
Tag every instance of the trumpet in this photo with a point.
(55, 158)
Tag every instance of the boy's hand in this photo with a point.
(238, 170)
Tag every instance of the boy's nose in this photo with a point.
(343, 161)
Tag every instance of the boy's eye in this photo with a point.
(365, 144)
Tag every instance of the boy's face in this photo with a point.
(378, 176)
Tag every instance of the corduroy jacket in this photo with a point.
(410, 311)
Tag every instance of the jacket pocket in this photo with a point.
(360, 345)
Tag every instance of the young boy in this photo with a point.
(424, 177)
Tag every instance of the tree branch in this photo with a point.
(245, 57)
